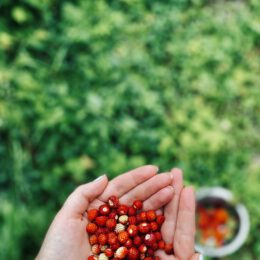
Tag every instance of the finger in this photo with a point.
(124, 183)
(159, 199)
(147, 188)
(171, 210)
(185, 227)
(78, 202)
(197, 257)
(164, 256)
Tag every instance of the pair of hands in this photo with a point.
(67, 238)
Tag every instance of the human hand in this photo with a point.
(67, 238)
(179, 226)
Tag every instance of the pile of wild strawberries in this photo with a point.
(117, 231)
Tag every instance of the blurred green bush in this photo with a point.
(88, 87)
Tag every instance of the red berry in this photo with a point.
(129, 243)
(161, 244)
(144, 227)
(109, 252)
(137, 241)
(160, 219)
(150, 252)
(168, 249)
(95, 249)
(123, 237)
(113, 202)
(121, 252)
(113, 215)
(158, 236)
(104, 210)
(143, 216)
(102, 230)
(111, 224)
(102, 239)
(151, 215)
(148, 258)
(142, 248)
(101, 221)
(131, 211)
(92, 214)
(132, 220)
(112, 238)
(115, 246)
(122, 210)
(138, 204)
(154, 226)
(92, 257)
(93, 240)
(133, 254)
(149, 239)
(132, 230)
(91, 228)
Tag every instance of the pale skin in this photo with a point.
(67, 238)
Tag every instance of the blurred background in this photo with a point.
(88, 87)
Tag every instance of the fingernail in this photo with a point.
(201, 257)
(99, 178)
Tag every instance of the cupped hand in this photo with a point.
(179, 226)
(67, 238)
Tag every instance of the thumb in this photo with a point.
(78, 201)
(197, 257)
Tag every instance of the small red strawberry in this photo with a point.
(109, 252)
(93, 240)
(95, 249)
(102, 239)
(150, 252)
(113, 215)
(143, 216)
(160, 219)
(102, 230)
(133, 254)
(121, 252)
(149, 239)
(131, 211)
(148, 258)
(113, 202)
(137, 241)
(161, 244)
(122, 210)
(154, 226)
(132, 220)
(142, 248)
(132, 230)
(138, 204)
(115, 246)
(151, 215)
(111, 224)
(91, 228)
(104, 210)
(158, 235)
(122, 237)
(168, 249)
(112, 238)
(101, 221)
(144, 227)
(92, 257)
(129, 243)
(92, 214)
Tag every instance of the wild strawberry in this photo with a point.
(144, 227)
(111, 224)
(132, 220)
(168, 248)
(121, 252)
(113, 215)
(93, 240)
(101, 221)
(160, 219)
(158, 236)
(143, 216)
(149, 239)
(92, 214)
(154, 226)
(119, 228)
(104, 210)
(102, 239)
(93, 257)
(122, 210)
(150, 252)
(161, 244)
(133, 254)
(123, 219)
(131, 211)
(109, 252)
(129, 243)
(148, 258)
(138, 204)
(112, 238)
(157, 258)
(115, 246)
(122, 237)
(137, 241)
(154, 246)
(151, 216)
(95, 249)
(91, 228)
(113, 202)
(142, 248)
(142, 256)
(102, 230)
(132, 230)
(102, 257)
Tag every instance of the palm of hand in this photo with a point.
(67, 239)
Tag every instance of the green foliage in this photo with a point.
(88, 87)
